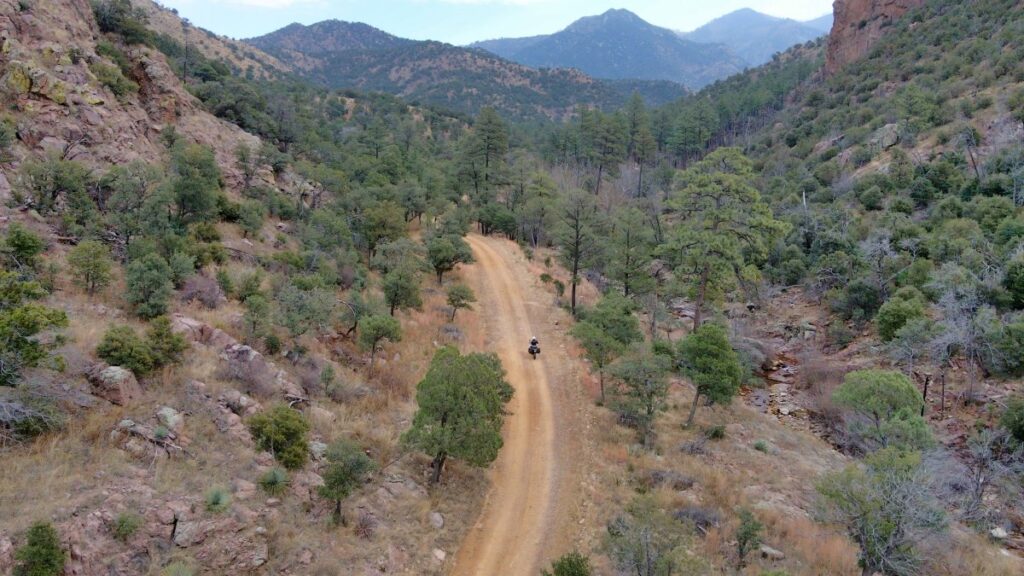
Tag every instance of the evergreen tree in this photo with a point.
(90, 265)
(460, 408)
(724, 224)
(708, 360)
(347, 468)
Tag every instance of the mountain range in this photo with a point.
(596, 61)
(620, 44)
(352, 55)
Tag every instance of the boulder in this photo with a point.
(769, 553)
(6, 555)
(317, 450)
(436, 520)
(440, 555)
(886, 137)
(999, 533)
(170, 419)
(200, 332)
(190, 532)
(114, 384)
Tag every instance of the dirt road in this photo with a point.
(529, 513)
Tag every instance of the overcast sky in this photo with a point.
(465, 21)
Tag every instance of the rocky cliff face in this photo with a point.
(50, 90)
(858, 25)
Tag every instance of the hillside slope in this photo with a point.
(347, 55)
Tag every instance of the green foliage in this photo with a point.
(53, 178)
(894, 314)
(707, 358)
(1013, 282)
(250, 218)
(121, 346)
(402, 290)
(460, 408)
(728, 225)
(21, 247)
(177, 569)
(114, 79)
(217, 500)
(648, 541)
(121, 18)
(447, 252)
(375, 329)
(165, 346)
(195, 185)
(460, 297)
(274, 481)
(22, 321)
(570, 564)
(886, 507)
(347, 468)
(282, 431)
(642, 389)
(301, 310)
(126, 524)
(41, 555)
(761, 446)
(891, 405)
(148, 285)
(1013, 418)
(748, 536)
(90, 265)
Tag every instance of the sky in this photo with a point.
(464, 21)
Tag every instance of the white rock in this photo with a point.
(999, 533)
(440, 555)
(436, 520)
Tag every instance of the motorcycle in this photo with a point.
(534, 350)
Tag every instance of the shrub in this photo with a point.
(218, 500)
(895, 314)
(282, 432)
(274, 481)
(888, 406)
(165, 345)
(41, 555)
(148, 285)
(571, 564)
(121, 346)
(273, 344)
(716, 432)
(112, 78)
(347, 470)
(90, 265)
(761, 446)
(1013, 418)
(748, 536)
(126, 524)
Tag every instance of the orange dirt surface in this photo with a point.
(535, 501)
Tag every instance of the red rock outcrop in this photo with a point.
(858, 25)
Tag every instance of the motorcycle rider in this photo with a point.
(534, 348)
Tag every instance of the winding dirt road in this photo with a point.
(529, 513)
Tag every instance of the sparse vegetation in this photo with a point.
(282, 432)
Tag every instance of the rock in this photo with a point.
(858, 25)
(772, 554)
(999, 533)
(440, 555)
(170, 419)
(317, 450)
(6, 555)
(886, 137)
(114, 384)
(200, 332)
(436, 520)
(190, 532)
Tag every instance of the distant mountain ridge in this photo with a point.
(353, 55)
(756, 37)
(618, 45)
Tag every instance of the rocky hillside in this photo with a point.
(858, 25)
(347, 55)
(619, 44)
(67, 99)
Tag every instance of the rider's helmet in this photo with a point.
(533, 340)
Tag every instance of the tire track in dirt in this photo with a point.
(529, 511)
